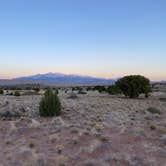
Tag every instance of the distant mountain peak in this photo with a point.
(64, 79)
(60, 79)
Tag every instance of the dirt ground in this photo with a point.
(94, 130)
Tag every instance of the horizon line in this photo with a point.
(67, 74)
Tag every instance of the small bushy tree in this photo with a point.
(1, 91)
(78, 88)
(133, 85)
(100, 89)
(17, 93)
(50, 104)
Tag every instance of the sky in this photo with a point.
(102, 38)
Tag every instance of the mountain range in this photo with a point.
(58, 79)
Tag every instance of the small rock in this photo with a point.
(93, 145)
(53, 137)
(58, 121)
(74, 130)
(34, 123)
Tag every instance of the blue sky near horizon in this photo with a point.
(104, 38)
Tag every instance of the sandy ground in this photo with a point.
(94, 130)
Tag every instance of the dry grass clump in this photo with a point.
(61, 160)
(154, 110)
(75, 140)
(31, 145)
(152, 127)
(60, 148)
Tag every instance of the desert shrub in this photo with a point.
(152, 127)
(28, 88)
(89, 88)
(100, 88)
(31, 145)
(11, 94)
(46, 87)
(37, 89)
(50, 104)
(73, 89)
(162, 99)
(113, 90)
(17, 93)
(133, 85)
(154, 110)
(1, 92)
(82, 92)
(77, 88)
(57, 91)
(66, 91)
(29, 93)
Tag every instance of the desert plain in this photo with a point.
(95, 129)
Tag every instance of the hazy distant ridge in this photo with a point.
(58, 79)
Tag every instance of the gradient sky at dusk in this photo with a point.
(104, 38)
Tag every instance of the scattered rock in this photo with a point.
(93, 145)
(34, 123)
(58, 122)
(74, 130)
(53, 137)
